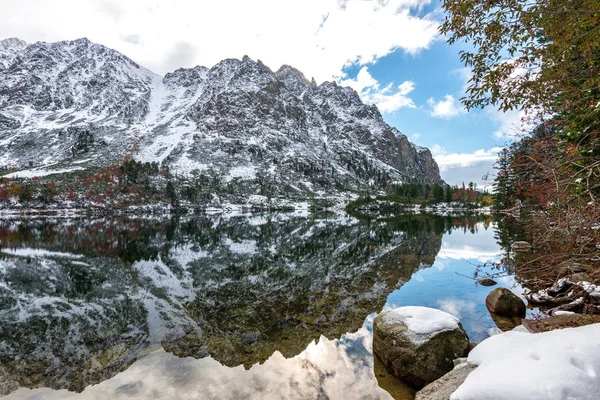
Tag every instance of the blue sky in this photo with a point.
(390, 51)
(465, 144)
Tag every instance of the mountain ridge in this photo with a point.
(238, 121)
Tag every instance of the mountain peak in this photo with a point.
(82, 40)
(9, 48)
(186, 77)
(12, 42)
(289, 70)
(292, 78)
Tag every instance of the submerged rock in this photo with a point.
(418, 344)
(487, 282)
(505, 324)
(505, 303)
(388, 382)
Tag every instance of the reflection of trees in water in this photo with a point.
(126, 239)
(439, 225)
(235, 288)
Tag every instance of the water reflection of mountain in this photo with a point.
(98, 294)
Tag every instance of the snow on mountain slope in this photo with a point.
(238, 123)
(58, 100)
(9, 49)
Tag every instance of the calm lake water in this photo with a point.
(224, 307)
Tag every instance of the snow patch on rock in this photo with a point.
(423, 320)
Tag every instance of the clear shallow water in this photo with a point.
(260, 306)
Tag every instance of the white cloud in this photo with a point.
(319, 37)
(511, 124)
(133, 38)
(436, 150)
(466, 159)
(463, 75)
(414, 137)
(363, 81)
(456, 168)
(447, 108)
(387, 99)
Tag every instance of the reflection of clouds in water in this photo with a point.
(327, 369)
(510, 283)
(468, 312)
(440, 264)
(481, 246)
(467, 252)
(457, 307)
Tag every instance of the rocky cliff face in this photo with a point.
(237, 122)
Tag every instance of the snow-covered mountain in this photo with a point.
(237, 122)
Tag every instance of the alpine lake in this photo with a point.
(227, 306)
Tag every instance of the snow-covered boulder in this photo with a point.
(555, 365)
(505, 303)
(418, 344)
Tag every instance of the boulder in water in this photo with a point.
(505, 303)
(418, 344)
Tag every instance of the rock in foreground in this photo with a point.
(447, 384)
(418, 344)
(505, 303)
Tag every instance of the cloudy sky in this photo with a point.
(387, 50)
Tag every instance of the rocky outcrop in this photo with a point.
(418, 344)
(442, 388)
(505, 303)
